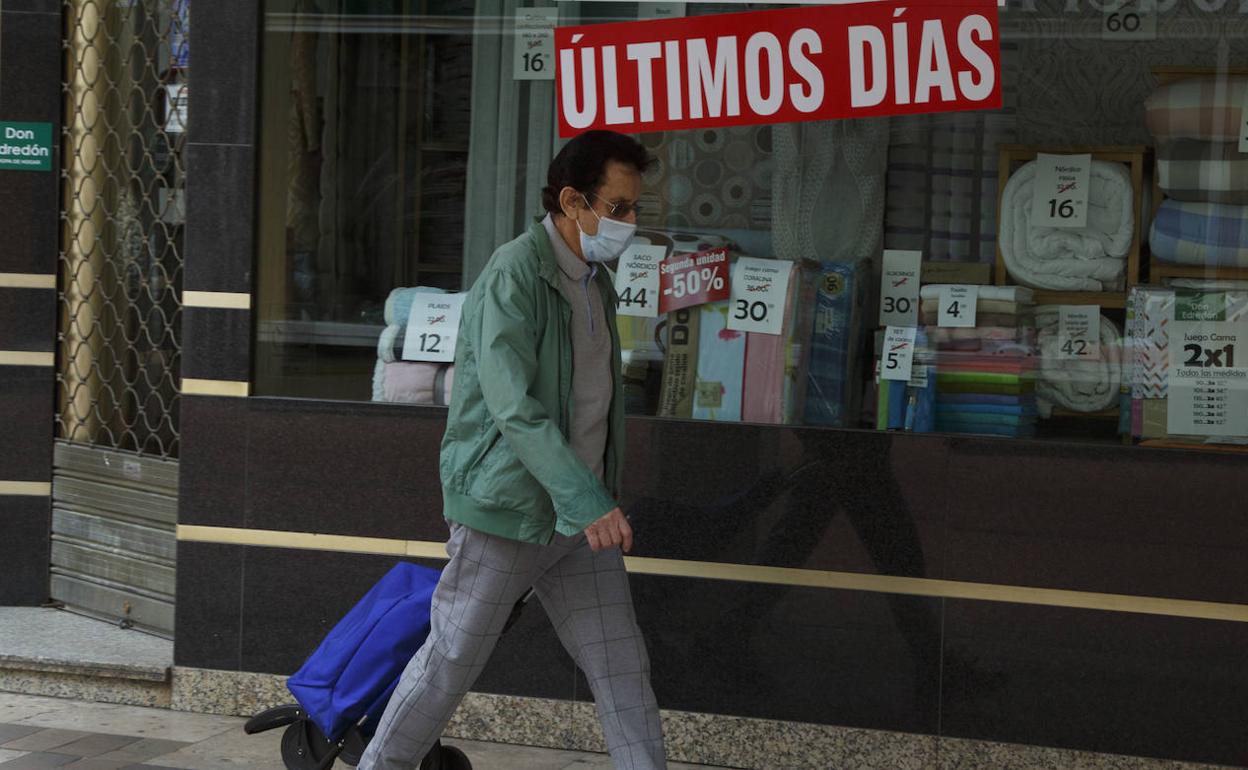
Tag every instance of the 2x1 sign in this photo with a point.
(808, 63)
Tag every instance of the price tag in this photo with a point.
(759, 287)
(433, 327)
(1079, 332)
(1208, 393)
(637, 281)
(686, 280)
(1130, 20)
(649, 10)
(534, 57)
(897, 358)
(899, 288)
(1060, 192)
(958, 304)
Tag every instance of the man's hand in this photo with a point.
(609, 531)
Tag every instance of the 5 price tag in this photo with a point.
(759, 287)
(899, 288)
(1079, 332)
(1060, 191)
(637, 280)
(433, 327)
(897, 358)
(534, 57)
(958, 306)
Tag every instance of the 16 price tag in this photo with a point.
(637, 281)
(1079, 332)
(1060, 191)
(686, 280)
(958, 305)
(1130, 20)
(759, 287)
(899, 288)
(897, 358)
(534, 57)
(433, 327)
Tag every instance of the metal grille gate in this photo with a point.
(122, 214)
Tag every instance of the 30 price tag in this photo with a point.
(958, 305)
(637, 280)
(1079, 332)
(686, 279)
(897, 358)
(759, 287)
(433, 327)
(1060, 191)
(1208, 394)
(899, 288)
(1130, 20)
(534, 57)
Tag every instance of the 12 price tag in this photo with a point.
(958, 305)
(686, 280)
(534, 57)
(637, 280)
(1079, 332)
(899, 288)
(759, 287)
(897, 358)
(1060, 191)
(433, 327)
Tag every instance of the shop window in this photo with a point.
(404, 141)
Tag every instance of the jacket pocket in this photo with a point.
(502, 481)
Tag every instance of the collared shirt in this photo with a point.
(591, 353)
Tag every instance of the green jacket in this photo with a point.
(506, 465)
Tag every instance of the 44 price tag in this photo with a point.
(1060, 191)
(686, 280)
(1079, 331)
(637, 281)
(897, 358)
(958, 306)
(433, 327)
(759, 287)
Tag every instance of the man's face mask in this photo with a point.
(612, 238)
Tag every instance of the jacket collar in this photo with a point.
(548, 265)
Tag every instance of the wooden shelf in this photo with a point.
(1105, 414)
(1163, 443)
(1106, 299)
(1159, 270)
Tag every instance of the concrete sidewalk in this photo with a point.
(38, 732)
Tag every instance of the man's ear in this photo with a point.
(569, 201)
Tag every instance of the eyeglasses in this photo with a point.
(619, 210)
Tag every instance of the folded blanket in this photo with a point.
(1002, 366)
(1013, 431)
(976, 418)
(979, 337)
(416, 382)
(1081, 385)
(1091, 258)
(1206, 234)
(1022, 387)
(970, 408)
(1197, 108)
(986, 399)
(994, 293)
(1208, 172)
(1005, 307)
(984, 319)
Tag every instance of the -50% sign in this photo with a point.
(686, 280)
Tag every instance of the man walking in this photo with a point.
(530, 467)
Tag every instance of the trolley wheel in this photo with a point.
(303, 746)
(353, 747)
(445, 758)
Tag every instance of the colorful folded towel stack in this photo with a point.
(986, 374)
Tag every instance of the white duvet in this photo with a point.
(1091, 258)
(1081, 385)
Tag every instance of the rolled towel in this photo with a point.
(1081, 385)
(1019, 294)
(1091, 258)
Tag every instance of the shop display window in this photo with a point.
(1070, 263)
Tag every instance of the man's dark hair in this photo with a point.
(582, 164)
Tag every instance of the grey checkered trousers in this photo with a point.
(587, 597)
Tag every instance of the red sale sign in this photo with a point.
(686, 280)
(808, 63)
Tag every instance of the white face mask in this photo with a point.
(611, 240)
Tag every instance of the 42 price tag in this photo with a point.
(958, 306)
(897, 358)
(637, 281)
(759, 287)
(433, 327)
(1079, 332)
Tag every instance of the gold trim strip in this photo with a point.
(852, 581)
(233, 388)
(27, 281)
(217, 299)
(26, 488)
(26, 358)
